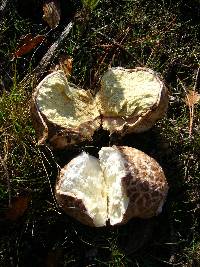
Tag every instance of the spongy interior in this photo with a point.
(98, 184)
(123, 94)
(63, 103)
(128, 94)
(84, 179)
(113, 168)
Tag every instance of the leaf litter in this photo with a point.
(18, 207)
(51, 10)
(27, 44)
(192, 98)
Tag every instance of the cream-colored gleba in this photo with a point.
(131, 100)
(62, 113)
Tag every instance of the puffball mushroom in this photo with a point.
(62, 113)
(123, 183)
(131, 100)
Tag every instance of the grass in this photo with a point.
(162, 35)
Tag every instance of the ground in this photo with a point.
(162, 35)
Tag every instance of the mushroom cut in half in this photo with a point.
(123, 183)
(131, 100)
(62, 113)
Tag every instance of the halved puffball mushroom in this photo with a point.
(123, 183)
(131, 100)
(62, 113)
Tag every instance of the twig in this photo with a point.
(3, 8)
(120, 44)
(47, 58)
(196, 79)
(4, 165)
(191, 121)
(191, 108)
(42, 155)
(115, 43)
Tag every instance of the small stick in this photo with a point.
(120, 45)
(115, 43)
(196, 79)
(191, 121)
(47, 58)
(45, 61)
(3, 8)
(191, 109)
(48, 179)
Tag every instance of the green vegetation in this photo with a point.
(90, 4)
(162, 35)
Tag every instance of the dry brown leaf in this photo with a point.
(29, 43)
(65, 64)
(18, 206)
(51, 9)
(25, 39)
(192, 98)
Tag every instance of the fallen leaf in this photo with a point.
(192, 98)
(29, 43)
(18, 206)
(51, 14)
(64, 64)
(25, 38)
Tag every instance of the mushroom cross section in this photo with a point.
(123, 183)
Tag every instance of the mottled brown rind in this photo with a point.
(57, 136)
(71, 204)
(73, 207)
(39, 122)
(137, 124)
(145, 184)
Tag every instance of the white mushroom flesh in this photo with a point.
(113, 169)
(83, 178)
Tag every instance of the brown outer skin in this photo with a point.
(57, 136)
(70, 203)
(74, 207)
(148, 119)
(146, 192)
